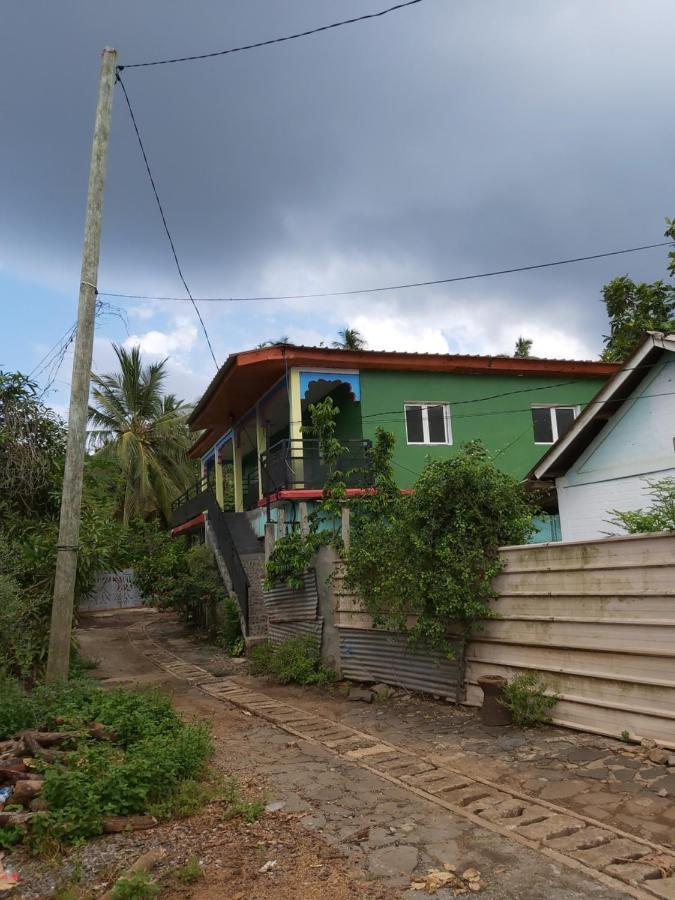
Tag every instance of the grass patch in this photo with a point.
(138, 886)
(237, 806)
(153, 761)
(190, 872)
(297, 659)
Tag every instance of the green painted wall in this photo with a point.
(504, 424)
(348, 424)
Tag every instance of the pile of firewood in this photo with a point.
(21, 782)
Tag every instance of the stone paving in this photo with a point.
(573, 839)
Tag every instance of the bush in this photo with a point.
(230, 636)
(152, 755)
(296, 660)
(659, 517)
(525, 696)
(433, 555)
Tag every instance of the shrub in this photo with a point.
(290, 558)
(433, 555)
(659, 517)
(297, 659)
(526, 697)
(138, 886)
(230, 636)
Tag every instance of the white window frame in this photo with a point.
(425, 404)
(554, 421)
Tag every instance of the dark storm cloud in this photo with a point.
(448, 138)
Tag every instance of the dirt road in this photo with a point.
(334, 829)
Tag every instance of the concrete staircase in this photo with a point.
(252, 555)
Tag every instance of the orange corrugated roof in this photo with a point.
(247, 375)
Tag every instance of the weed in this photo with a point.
(526, 697)
(190, 872)
(297, 659)
(230, 636)
(625, 736)
(10, 835)
(148, 763)
(134, 887)
(188, 799)
(237, 806)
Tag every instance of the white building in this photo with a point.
(623, 439)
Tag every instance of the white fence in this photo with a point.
(598, 620)
(113, 590)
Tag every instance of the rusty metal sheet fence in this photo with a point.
(372, 655)
(284, 604)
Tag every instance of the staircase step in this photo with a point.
(244, 537)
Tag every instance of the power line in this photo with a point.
(400, 287)
(277, 40)
(164, 222)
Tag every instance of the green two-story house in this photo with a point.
(255, 457)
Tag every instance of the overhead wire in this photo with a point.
(163, 217)
(270, 41)
(398, 287)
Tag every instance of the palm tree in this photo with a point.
(143, 431)
(275, 342)
(523, 346)
(350, 339)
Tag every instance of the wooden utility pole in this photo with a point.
(71, 498)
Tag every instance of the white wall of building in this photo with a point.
(636, 446)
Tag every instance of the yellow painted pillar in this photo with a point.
(220, 493)
(261, 447)
(237, 476)
(295, 430)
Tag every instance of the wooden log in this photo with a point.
(115, 824)
(25, 790)
(12, 774)
(15, 818)
(145, 863)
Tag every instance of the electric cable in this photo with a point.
(400, 287)
(270, 41)
(163, 216)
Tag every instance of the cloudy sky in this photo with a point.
(452, 137)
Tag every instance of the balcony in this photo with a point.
(298, 465)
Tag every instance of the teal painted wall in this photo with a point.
(504, 424)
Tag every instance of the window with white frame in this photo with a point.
(428, 423)
(550, 422)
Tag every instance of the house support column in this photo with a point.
(295, 429)
(220, 493)
(237, 474)
(261, 446)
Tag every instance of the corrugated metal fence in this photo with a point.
(598, 619)
(294, 612)
(113, 590)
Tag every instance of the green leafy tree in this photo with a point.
(636, 307)
(425, 563)
(144, 431)
(659, 517)
(32, 448)
(350, 339)
(523, 347)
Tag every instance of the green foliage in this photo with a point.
(190, 872)
(525, 696)
(230, 636)
(522, 348)
(290, 558)
(625, 736)
(143, 431)
(10, 835)
(138, 886)
(170, 573)
(237, 806)
(350, 339)
(15, 711)
(32, 448)
(659, 517)
(152, 755)
(424, 564)
(634, 308)
(297, 660)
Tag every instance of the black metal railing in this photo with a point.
(200, 498)
(298, 464)
(250, 489)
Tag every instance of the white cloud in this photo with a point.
(400, 334)
(181, 338)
